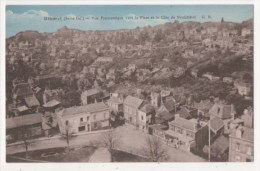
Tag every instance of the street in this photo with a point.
(132, 141)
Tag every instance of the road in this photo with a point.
(132, 141)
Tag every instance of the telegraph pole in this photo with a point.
(209, 140)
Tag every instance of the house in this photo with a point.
(131, 108)
(168, 105)
(241, 145)
(52, 105)
(222, 111)
(32, 101)
(115, 103)
(186, 134)
(155, 99)
(203, 108)
(90, 96)
(145, 114)
(164, 117)
(89, 117)
(218, 149)
(158, 130)
(216, 127)
(29, 125)
(242, 87)
(248, 117)
(187, 112)
(22, 90)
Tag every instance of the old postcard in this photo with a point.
(129, 83)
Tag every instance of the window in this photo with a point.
(67, 123)
(87, 118)
(94, 117)
(81, 119)
(249, 150)
(95, 125)
(237, 147)
(142, 117)
(179, 130)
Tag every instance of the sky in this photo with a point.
(28, 17)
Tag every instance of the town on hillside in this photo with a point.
(178, 92)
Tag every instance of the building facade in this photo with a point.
(84, 118)
(241, 145)
(131, 110)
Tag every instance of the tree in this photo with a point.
(111, 140)
(154, 149)
(67, 134)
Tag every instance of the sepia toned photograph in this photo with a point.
(129, 83)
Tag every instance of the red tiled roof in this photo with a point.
(83, 109)
(184, 123)
(147, 108)
(166, 116)
(221, 111)
(133, 101)
(31, 101)
(216, 124)
(23, 89)
(23, 120)
(169, 105)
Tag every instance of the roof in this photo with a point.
(187, 112)
(158, 127)
(221, 111)
(22, 108)
(169, 105)
(91, 92)
(216, 124)
(203, 105)
(184, 113)
(31, 101)
(83, 109)
(133, 101)
(51, 103)
(247, 134)
(23, 120)
(184, 123)
(115, 100)
(147, 108)
(166, 116)
(23, 89)
(219, 146)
